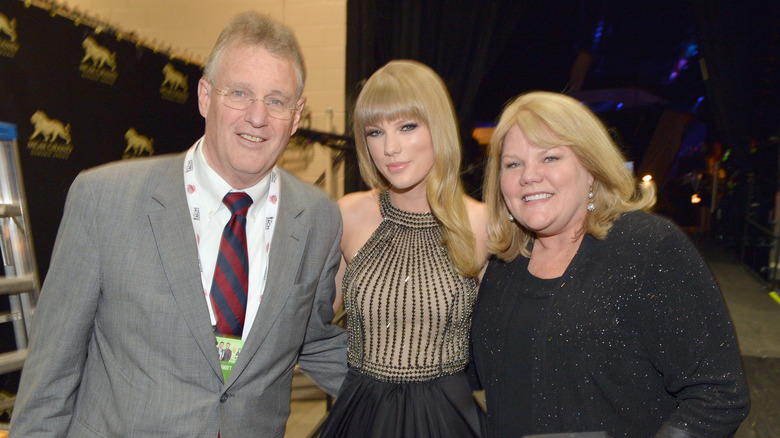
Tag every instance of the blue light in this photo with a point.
(597, 35)
(696, 105)
(692, 50)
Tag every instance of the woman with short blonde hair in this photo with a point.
(597, 316)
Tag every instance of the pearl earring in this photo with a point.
(511, 218)
(591, 205)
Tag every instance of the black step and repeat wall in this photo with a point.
(80, 95)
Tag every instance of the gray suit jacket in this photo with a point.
(122, 343)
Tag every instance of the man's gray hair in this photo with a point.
(254, 29)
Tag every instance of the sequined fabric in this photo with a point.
(408, 311)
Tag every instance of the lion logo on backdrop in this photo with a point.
(50, 138)
(98, 63)
(48, 128)
(174, 79)
(8, 44)
(174, 86)
(8, 27)
(137, 145)
(99, 55)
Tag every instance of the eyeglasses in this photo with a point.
(278, 107)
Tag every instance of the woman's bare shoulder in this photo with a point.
(361, 216)
(358, 203)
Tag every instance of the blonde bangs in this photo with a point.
(386, 101)
(538, 131)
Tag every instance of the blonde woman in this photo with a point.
(597, 316)
(413, 249)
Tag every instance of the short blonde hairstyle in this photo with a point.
(404, 88)
(549, 120)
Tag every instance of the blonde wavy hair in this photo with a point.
(549, 120)
(404, 88)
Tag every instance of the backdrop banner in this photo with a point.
(81, 95)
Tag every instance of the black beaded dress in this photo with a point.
(408, 316)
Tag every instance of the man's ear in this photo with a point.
(297, 115)
(204, 96)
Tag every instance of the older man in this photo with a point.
(158, 260)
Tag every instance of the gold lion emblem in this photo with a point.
(97, 54)
(48, 128)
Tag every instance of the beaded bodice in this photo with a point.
(408, 310)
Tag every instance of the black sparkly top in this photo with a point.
(633, 337)
(408, 310)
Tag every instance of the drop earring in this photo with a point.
(591, 205)
(511, 218)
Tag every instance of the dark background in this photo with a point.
(644, 78)
(45, 75)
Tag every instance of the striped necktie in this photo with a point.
(231, 274)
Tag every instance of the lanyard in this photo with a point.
(270, 208)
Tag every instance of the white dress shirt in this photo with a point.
(213, 217)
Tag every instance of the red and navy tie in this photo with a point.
(231, 280)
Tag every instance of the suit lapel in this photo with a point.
(172, 228)
(287, 248)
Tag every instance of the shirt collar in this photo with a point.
(213, 188)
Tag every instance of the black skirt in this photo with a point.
(366, 407)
